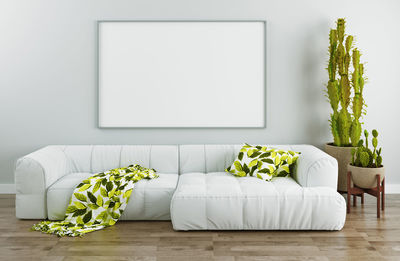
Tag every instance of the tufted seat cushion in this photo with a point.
(150, 200)
(221, 201)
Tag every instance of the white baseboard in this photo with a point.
(392, 188)
(10, 189)
(7, 188)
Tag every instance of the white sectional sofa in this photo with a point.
(193, 190)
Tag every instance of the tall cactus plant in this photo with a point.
(358, 102)
(333, 86)
(345, 123)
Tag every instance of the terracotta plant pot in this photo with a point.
(343, 157)
(365, 177)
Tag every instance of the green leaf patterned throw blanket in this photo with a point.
(97, 202)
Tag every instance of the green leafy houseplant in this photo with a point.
(343, 93)
(363, 156)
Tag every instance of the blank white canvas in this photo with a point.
(182, 74)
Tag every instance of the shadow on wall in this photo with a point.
(314, 81)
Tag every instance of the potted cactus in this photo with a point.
(365, 163)
(345, 94)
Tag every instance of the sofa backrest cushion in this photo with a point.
(98, 158)
(211, 158)
(173, 159)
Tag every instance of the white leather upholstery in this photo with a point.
(59, 194)
(97, 158)
(150, 199)
(314, 168)
(206, 158)
(208, 199)
(222, 201)
(36, 172)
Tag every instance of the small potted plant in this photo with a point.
(366, 164)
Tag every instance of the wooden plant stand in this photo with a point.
(359, 192)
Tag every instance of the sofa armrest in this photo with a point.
(34, 173)
(315, 168)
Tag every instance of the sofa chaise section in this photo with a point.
(45, 179)
(209, 198)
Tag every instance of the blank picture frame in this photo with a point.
(182, 74)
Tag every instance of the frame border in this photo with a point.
(98, 22)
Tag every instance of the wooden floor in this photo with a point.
(364, 237)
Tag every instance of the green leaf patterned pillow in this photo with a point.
(263, 162)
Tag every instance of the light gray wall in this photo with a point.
(48, 71)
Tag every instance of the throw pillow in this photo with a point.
(263, 162)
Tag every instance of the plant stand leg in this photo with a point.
(378, 196)
(348, 192)
(383, 194)
(354, 200)
(362, 199)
